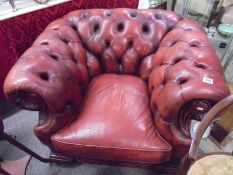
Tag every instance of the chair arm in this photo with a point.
(185, 82)
(39, 83)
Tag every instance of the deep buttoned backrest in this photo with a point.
(112, 41)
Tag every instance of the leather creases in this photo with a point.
(170, 54)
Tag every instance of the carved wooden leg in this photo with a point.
(167, 168)
(184, 166)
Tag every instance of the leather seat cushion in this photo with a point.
(114, 124)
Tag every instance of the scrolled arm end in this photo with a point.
(47, 87)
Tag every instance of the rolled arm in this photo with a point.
(41, 85)
(45, 86)
(185, 82)
(49, 77)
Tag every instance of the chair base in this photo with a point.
(59, 158)
(163, 168)
(167, 168)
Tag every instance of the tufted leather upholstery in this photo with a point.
(170, 53)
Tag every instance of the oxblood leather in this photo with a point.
(184, 59)
(169, 52)
(16, 33)
(114, 124)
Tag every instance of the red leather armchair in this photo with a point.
(118, 85)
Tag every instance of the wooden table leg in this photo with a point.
(5, 136)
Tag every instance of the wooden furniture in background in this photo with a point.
(212, 116)
(224, 126)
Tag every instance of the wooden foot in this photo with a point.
(17, 167)
(60, 158)
(168, 168)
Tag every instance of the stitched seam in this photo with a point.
(182, 95)
(162, 44)
(98, 146)
(200, 31)
(208, 68)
